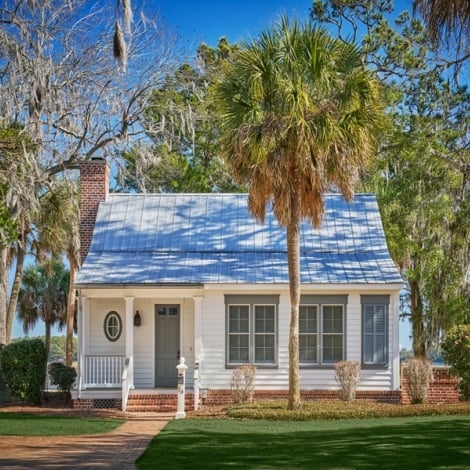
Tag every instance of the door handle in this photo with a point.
(178, 355)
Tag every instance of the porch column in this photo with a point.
(197, 348)
(130, 337)
(82, 326)
(197, 327)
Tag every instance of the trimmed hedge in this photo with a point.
(331, 409)
(23, 365)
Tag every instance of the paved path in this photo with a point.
(118, 449)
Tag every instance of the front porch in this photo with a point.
(106, 382)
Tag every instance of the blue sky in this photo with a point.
(207, 21)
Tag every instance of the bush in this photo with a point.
(418, 375)
(347, 374)
(23, 365)
(243, 383)
(456, 353)
(63, 376)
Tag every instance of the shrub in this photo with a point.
(23, 365)
(63, 376)
(347, 374)
(456, 353)
(243, 383)
(418, 375)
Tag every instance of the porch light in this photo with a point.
(137, 319)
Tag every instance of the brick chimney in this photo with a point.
(94, 188)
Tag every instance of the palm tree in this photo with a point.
(58, 234)
(445, 18)
(43, 296)
(300, 115)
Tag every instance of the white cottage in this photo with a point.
(194, 275)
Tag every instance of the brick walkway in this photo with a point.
(116, 450)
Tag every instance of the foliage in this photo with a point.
(28, 424)
(298, 107)
(456, 353)
(411, 443)
(418, 375)
(336, 410)
(243, 383)
(43, 296)
(68, 99)
(183, 122)
(347, 374)
(421, 174)
(23, 365)
(61, 375)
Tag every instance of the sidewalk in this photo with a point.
(116, 450)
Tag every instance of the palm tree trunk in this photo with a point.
(293, 261)
(15, 289)
(4, 270)
(47, 344)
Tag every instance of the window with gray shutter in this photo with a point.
(374, 330)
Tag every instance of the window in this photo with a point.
(251, 329)
(112, 326)
(321, 329)
(374, 330)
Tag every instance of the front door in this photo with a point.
(167, 345)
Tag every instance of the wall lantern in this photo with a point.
(137, 319)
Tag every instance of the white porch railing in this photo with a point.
(103, 371)
(126, 383)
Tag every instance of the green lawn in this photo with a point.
(24, 424)
(381, 443)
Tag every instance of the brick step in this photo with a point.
(156, 403)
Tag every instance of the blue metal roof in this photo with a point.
(212, 238)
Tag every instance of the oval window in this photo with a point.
(112, 326)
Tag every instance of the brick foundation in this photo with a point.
(224, 397)
(443, 389)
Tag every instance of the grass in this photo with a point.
(24, 424)
(435, 442)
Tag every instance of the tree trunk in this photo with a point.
(47, 344)
(4, 271)
(70, 319)
(15, 290)
(417, 320)
(293, 261)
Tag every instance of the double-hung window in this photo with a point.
(251, 332)
(375, 330)
(321, 329)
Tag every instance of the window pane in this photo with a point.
(308, 319)
(238, 348)
(264, 348)
(264, 319)
(332, 319)
(239, 319)
(308, 348)
(332, 348)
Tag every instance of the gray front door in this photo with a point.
(167, 345)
